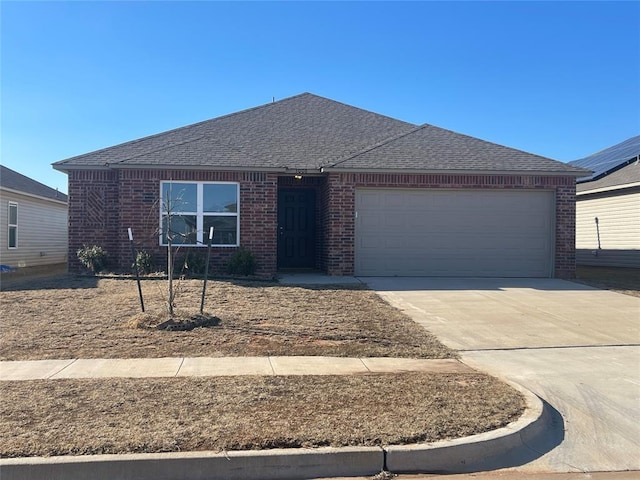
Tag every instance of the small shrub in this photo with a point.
(242, 262)
(194, 263)
(94, 257)
(144, 262)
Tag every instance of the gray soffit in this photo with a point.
(17, 182)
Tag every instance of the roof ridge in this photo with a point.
(173, 130)
(374, 146)
(357, 108)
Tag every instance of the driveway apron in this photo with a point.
(575, 346)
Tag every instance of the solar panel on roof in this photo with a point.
(610, 158)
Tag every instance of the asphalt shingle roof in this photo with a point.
(16, 181)
(305, 131)
(311, 132)
(435, 149)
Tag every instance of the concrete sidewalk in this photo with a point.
(514, 444)
(219, 366)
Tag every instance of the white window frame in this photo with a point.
(13, 226)
(202, 238)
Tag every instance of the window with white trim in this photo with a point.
(13, 225)
(189, 209)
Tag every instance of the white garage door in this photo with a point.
(454, 233)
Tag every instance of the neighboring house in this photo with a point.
(311, 183)
(608, 207)
(34, 222)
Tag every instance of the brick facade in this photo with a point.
(130, 198)
(93, 212)
(104, 203)
(340, 205)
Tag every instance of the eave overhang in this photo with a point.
(31, 195)
(454, 172)
(609, 189)
(207, 168)
(288, 170)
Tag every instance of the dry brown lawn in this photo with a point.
(90, 317)
(82, 417)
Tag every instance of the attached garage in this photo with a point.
(454, 233)
(372, 195)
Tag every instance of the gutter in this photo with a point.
(209, 168)
(609, 189)
(455, 172)
(287, 170)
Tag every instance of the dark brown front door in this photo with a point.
(296, 228)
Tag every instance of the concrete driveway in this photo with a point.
(576, 347)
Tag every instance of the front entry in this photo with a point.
(296, 228)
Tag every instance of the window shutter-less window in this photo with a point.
(13, 225)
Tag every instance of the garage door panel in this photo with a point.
(458, 243)
(442, 266)
(454, 233)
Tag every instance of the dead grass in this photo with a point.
(88, 317)
(621, 280)
(82, 417)
(85, 317)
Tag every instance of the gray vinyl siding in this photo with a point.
(42, 231)
(618, 214)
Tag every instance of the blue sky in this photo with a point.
(559, 79)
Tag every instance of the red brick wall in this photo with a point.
(103, 204)
(339, 199)
(565, 258)
(93, 212)
(131, 200)
(338, 256)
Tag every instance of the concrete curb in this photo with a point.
(281, 464)
(507, 446)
